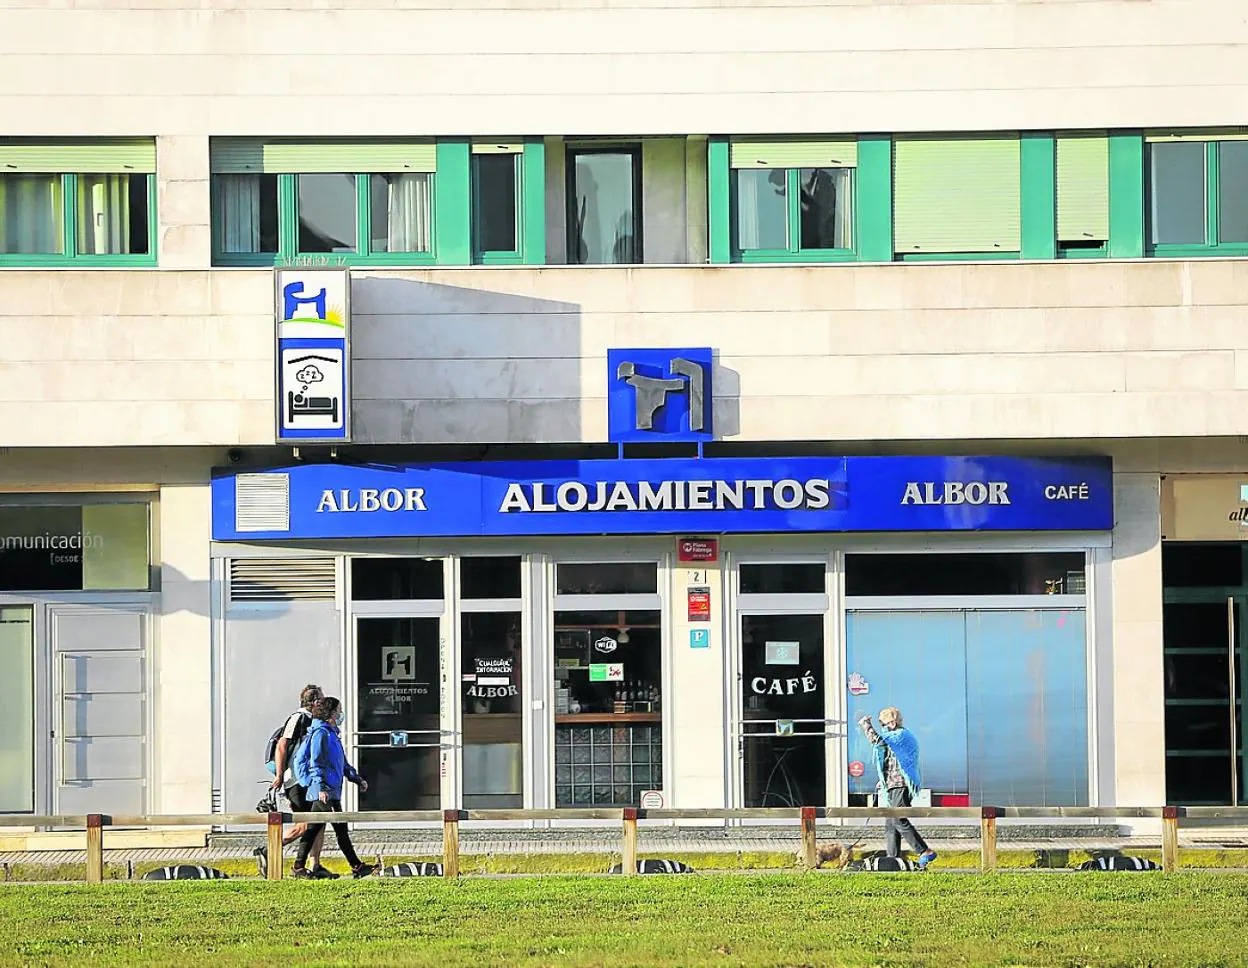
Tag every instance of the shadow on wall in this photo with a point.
(433, 363)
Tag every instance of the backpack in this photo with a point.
(270, 748)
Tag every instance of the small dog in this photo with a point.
(845, 859)
(842, 855)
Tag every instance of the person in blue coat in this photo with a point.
(321, 766)
(896, 751)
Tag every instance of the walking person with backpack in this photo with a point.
(279, 756)
(321, 766)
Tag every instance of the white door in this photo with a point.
(99, 723)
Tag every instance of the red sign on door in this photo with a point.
(697, 549)
(856, 768)
(699, 604)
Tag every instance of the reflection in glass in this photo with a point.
(489, 577)
(603, 222)
(17, 699)
(612, 578)
(1176, 193)
(402, 212)
(31, 214)
(245, 212)
(399, 690)
(1186, 565)
(81, 547)
(1233, 191)
(327, 215)
(782, 679)
(762, 208)
(492, 711)
(971, 573)
(782, 578)
(826, 209)
(495, 182)
(396, 579)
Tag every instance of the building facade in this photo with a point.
(709, 374)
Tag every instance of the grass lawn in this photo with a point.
(730, 919)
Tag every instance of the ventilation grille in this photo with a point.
(261, 502)
(282, 580)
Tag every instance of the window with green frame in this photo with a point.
(77, 203)
(497, 192)
(792, 200)
(352, 201)
(957, 195)
(1196, 188)
(1082, 180)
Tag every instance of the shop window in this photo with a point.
(608, 707)
(489, 577)
(988, 573)
(997, 699)
(17, 699)
(493, 710)
(88, 203)
(396, 579)
(784, 578)
(604, 206)
(613, 578)
(93, 547)
(957, 196)
(792, 201)
(345, 201)
(1185, 565)
(496, 196)
(1197, 194)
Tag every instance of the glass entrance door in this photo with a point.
(398, 711)
(1204, 669)
(783, 728)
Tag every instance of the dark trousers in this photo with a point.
(894, 829)
(340, 831)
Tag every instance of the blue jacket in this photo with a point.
(321, 763)
(904, 745)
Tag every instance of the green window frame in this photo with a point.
(359, 159)
(785, 162)
(488, 153)
(1214, 144)
(91, 189)
(957, 197)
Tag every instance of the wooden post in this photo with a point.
(988, 839)
(629, 858)
(450, 843)
(1169, 839)
(95, 848)
(810, 857)
(273, 871)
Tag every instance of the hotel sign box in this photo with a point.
(313, 318)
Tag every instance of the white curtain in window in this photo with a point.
(30, 214)
(103, 214)
(410, 213)
(238, 212)
(747, 213)
(843, 236)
